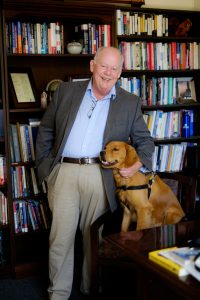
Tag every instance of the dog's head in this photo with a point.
(118, 155)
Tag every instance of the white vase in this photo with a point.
(74, 48)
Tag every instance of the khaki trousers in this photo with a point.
(76, 195)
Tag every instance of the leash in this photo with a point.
(140, 187)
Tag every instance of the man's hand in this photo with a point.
(129, 172)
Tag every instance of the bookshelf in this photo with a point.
(5, 227)
(159, 61)
(28, 60)
(28, 247)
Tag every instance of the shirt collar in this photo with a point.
(111, 95)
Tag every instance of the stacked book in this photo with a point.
(179, 260)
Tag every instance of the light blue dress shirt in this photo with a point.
(86, 136)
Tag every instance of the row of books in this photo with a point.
(25, 183)
(169, 157)
(30, 214)
(34, 38)
(139, 23)
(179, 260)
(93, 36)
(48, 38)
(169, 124)
(160, 90)
(3, 175)
(167, 235)
(141, 55)
(22, 141)
(3, 209)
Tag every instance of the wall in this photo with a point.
(174, 4)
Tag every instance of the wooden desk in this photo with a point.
(153, 281)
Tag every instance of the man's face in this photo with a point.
(106, 70)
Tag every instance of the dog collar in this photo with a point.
(139, 187)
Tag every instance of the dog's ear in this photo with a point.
(131, 156)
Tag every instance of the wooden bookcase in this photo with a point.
(5, 228)
(159, 68)
(30, 250)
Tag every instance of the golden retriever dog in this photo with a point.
(145, 198)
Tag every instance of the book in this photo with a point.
(43, 216)
(34, 181)
(20, 141)
(15, 142)
(3, 178)
(157, 257)
(181, 255)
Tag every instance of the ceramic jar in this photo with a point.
(74, 47)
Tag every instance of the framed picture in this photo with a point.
(186, 90)
(23, 90)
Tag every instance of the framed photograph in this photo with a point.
(23, 90)
(186, 90)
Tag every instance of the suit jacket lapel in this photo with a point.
(114, 110)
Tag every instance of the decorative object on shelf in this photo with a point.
(186, 90)
(177, 28)
(50, 89)
(74, 47)
(183, 28)
(22, 88)
(44, 97)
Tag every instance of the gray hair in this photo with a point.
(101, 49)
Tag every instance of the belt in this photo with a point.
(81, 161)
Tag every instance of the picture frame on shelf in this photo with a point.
(186, 90)
(22, 86)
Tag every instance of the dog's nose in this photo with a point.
(102, 154)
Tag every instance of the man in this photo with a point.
(79, 121)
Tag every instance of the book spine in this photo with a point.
(15, 217)
(31, 216)
(16, 148)
(166, 263)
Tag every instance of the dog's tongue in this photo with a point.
(107, 163)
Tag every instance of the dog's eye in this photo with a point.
(115, 149)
